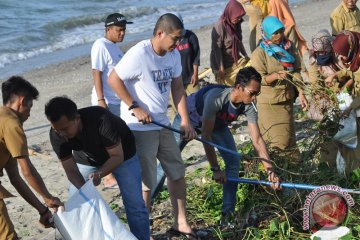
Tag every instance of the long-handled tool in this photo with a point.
(253, 181)
(199, 139)
(286, 185)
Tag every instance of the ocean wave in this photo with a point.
(135, 12)
(74, 22)
(64, 43)
(46, 37)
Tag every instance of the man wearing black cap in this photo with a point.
(105, 54)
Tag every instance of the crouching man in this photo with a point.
(18, 95)
(212, 109)
(91, 143)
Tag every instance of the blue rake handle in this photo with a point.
(253, 181)
(286, 185)
(199, 139)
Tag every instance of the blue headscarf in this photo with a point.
(270, 25)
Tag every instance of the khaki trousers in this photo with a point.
(7, 231)
(255, 19)
(276, 122)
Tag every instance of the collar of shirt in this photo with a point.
(348, 10)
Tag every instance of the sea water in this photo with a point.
(35, 33)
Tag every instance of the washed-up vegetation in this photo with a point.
(262, 213)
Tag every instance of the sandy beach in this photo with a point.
(73, 78)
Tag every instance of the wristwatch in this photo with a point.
(133, 105)
(215, 169)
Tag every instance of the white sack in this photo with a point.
(348, 134)
(87, 216)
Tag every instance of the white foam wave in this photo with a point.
(144, 19)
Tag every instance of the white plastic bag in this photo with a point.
(331, 234)
(344, 99)
(87, 216)
(340, 164)
(348, 134)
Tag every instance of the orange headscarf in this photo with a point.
(281, 10)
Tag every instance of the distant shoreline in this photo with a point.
(80, 51)
(73, 78)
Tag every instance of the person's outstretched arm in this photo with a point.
(206, 131)
(260, 147)
(119, 88)
(179, 98)
(116, 157)
(36, 182)
(23, 189)
(99, 88)
(194, 41)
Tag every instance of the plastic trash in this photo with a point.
(88, 216)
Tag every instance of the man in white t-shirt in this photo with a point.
(143, 80)
(105, 54)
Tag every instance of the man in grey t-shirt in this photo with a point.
(212, 109)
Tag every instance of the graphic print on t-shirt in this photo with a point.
(226, 117)
(162, 78)
(183, 46)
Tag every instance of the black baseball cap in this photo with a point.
(116, 19)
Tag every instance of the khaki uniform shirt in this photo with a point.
(13, 142)
(343, 18)
(278, 91)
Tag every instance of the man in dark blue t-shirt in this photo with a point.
(212, 109)
(91, 143)
(189, 49)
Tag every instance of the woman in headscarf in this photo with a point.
(228, 54)
(281, 10)
(278, 62)
(324, 66)
(347, 50)
(346, 47)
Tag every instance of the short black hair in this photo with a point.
(247, 74)
(18, 86)
(168, 23)
(60, 106)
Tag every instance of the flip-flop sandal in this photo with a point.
(202, 234)
(174, 232)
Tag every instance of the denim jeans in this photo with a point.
(128, 176)
(224, 138)
(114, 109)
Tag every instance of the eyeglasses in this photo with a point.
(252, 94)
(176, 39)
